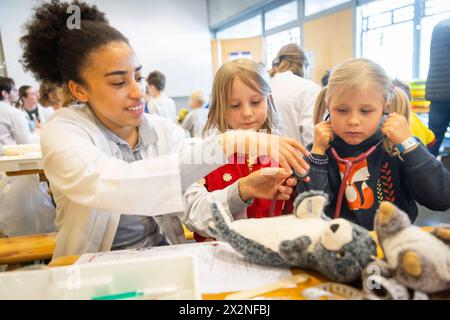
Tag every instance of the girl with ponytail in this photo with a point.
(363, 150)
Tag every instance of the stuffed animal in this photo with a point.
(415, 258)
(307, 239)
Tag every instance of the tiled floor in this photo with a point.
(430, 218)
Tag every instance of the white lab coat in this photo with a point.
(44, 113)
(163, 106)
(14, 127)
(92, 188)
(294, 98)
(195, 122)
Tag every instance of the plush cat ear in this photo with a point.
(310, 204)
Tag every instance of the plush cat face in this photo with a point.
(341, 259)
(339, 233)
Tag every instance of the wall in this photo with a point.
(255, 45)
(169, 35)
(222, 10)
(329, 40)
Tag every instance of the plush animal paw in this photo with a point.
(442, 232)
(310, 204)
(295, 252)
(411, 264)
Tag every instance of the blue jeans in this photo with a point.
(438, 123)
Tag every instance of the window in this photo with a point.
(387, 35)
(276, 41)
(435, 12)
(281, 15)
(315, 6)
(249, 28)
(392, 48)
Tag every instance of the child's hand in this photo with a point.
(323, 134)
(267, 183)
(396, 128)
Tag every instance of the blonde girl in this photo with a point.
(363, 150)
(240, 100)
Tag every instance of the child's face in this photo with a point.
(194, 103)
(246, 108)
(356, 114)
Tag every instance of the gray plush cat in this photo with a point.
(307, 239)
(415, 258)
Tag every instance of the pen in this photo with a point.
(154, 292)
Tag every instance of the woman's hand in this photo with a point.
(323, 134)
(396, 128)
(267, 183)
(286, 152)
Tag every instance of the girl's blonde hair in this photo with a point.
(290, 58)
(252, 75)
(355, 74)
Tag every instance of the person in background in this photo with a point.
(196, 118)
(325, 77)
(158, 102)
(293, 95)
(14, 127)
(29, 104)
(50, 96)
(418, 129)
(438, 83)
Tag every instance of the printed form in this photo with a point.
(220, 267)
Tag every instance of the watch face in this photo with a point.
(408, 143)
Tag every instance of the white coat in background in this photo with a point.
(14, 127)
(195, 121)
(163, 106)
(44, 113)
(294, 98)
(92, 188)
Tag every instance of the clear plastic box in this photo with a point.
(173, 278)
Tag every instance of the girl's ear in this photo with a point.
(78, 91)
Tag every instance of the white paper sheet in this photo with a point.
(221, 269)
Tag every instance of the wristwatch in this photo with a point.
(407, 144)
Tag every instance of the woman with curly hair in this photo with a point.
(117, 174)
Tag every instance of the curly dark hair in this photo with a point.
(57, 54)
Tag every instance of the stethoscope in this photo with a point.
(348, 167)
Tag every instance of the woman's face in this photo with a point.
(31, 99)
(115, 88)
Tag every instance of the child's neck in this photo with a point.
(339, 143)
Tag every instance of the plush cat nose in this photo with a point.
(334, 227)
